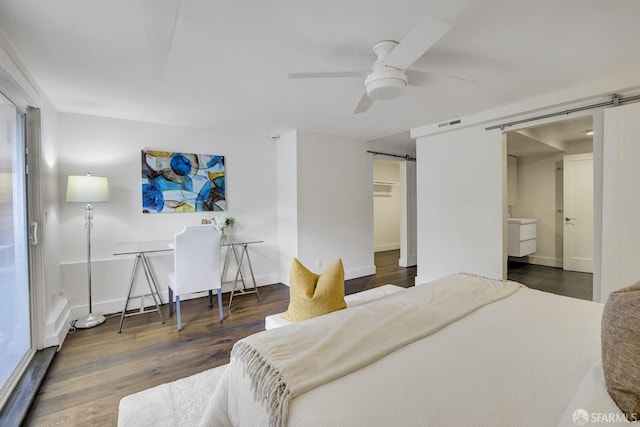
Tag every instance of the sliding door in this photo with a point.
(620, 199)
(15, 315)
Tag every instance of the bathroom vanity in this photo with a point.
(522, 236)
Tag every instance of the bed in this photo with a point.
(525, 358)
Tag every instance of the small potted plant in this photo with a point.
(222, 222)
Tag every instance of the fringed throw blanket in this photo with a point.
(286, 362)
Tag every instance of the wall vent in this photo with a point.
(451, 123)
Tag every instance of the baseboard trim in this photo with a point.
(386, 247)
(540, 260)
(421, 280)
(410, 261)
(58, 323)
(116, 305)
(354, 273)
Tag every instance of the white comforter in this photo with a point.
(518, 361)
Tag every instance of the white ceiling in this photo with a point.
(224, 64)
(568, 130)
(549, 138)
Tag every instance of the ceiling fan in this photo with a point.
(388, 77)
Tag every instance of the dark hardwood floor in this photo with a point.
(97, 367)
(551, 279)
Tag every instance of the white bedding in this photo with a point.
(518, 361)
(593, 401)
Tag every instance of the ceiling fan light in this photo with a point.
(385, 88)
(386, 84)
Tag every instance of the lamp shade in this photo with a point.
(87, 188)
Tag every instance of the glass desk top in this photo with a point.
(125, 248)
(132, 248)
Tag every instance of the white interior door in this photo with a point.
(578, 213)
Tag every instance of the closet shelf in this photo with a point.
(384, 188)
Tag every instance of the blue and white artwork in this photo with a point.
(182, 182)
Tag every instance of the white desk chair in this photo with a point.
(197, 266)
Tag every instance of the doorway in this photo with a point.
(16, 344)
(548, 173)
(387, 209)
(395, 210)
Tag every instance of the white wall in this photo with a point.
(400, 145)
(57, 307)
(387, 206)
(335, 207)
(540, 196)
(287, 178)
(111, 147)
(607, 164)
(460, 203)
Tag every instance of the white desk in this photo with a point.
(237, 249)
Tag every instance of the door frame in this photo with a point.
(408, 211)
(409, 215)
(32, 157)
(597, 116)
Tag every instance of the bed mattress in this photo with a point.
(518, 361)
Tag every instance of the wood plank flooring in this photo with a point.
(96, 367)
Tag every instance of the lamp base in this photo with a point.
(89, 321)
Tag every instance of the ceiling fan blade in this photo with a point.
(417, 42)
(327, 75)
(416, 77)
(421, 78)
(364, 104)
(161, 21)
(451, 76)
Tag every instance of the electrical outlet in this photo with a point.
(60, 293)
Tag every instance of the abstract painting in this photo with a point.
(182, 182)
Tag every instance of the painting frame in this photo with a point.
(177, 182)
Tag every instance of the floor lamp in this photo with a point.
(88, 189)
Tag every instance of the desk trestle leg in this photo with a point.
(153, 291)
(239, 260)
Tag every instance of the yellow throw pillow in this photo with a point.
(313, 295)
